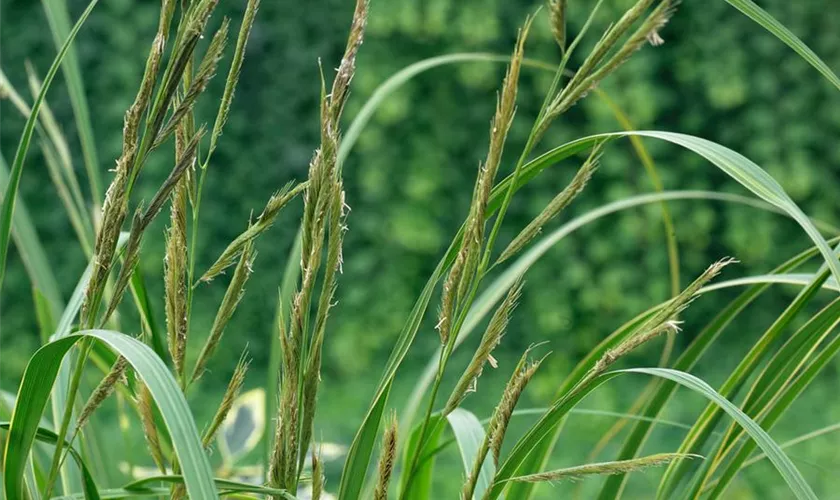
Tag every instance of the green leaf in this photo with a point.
(689, 358)
(40, 375)
(420, 487)
(499, 286)
(50, 437)
(469, 434)
(757, 14)
(789, 472)
(10, 195)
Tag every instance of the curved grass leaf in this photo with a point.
(499, 287)
(543, 429)
(50, 437)
(469, 434)
(774, 453)
(698, 347)
(768, 22)
(10, 194)
(40, 375)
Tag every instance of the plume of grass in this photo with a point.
(554, 207)
(648, 31)
(497, 428)
(198, 82)
(175, 266)
(275, 204)
(463, 271)
(323, 225)
(491, 338)
(604, 468)
(102, 391)
(115, 206)
(233, 295)
(143, 218)
(557, 19)
(145, 406)
(386, 459)
(660, 323)
(317, 476)
(231, 393)
(233, 73)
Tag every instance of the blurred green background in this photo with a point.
(410, 176)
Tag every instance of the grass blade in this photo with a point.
(38, 379)
(789, 472)
(469, 434)
(768, 22)
(23, 146)
(50, 437)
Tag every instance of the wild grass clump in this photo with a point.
(152, 372)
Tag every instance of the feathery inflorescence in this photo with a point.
(231, 393)
(233, 295)
(386, 460)
(323, 224)
(554, 207)
(275, 204)
(557, 19)
(491, 338)
(102, 391)
(462, 274)
(605, 468)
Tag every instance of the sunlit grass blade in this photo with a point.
(37, 382)
(10, 195)
(768, 22)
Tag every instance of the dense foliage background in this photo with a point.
(409, 179)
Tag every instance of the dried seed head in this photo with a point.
(145, 405)
(231, 393)
(103, 390)
(275, 204)
(555, 206)
(497, 428)
(386, 459)
(233, 295)
(557, 18)
(206, 71)
(233, 73)
(605, 468)
(491, 338)
(317, 476)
